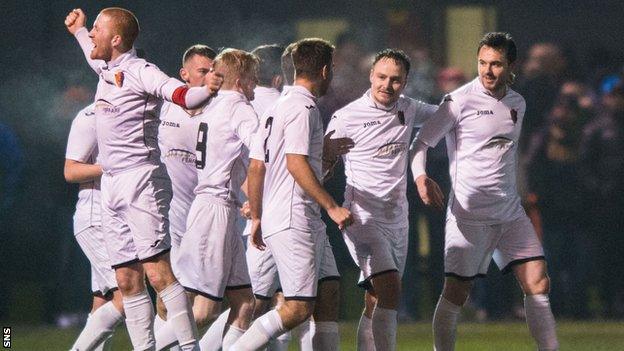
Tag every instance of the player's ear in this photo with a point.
(370, 76)
(325, 72)
(116, 41)
(184, 74)
(277, 82)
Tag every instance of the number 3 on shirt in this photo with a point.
(200, 149)
(268, 125)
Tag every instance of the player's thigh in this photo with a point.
(297, 258)
(238, 276)
(148, 194)
(91, 241)
(468, 248)
(205, 254)
(370, 248)
(262, 272)
(518, 244)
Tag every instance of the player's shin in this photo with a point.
(445, 325)
(180, 316)
(99, 327)
(139, 318)
(541, 321)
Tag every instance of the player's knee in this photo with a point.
(456, 291)
(298, 311)
(538, 285)
(244, 305)
(202, 319)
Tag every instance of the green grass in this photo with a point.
(496, 336)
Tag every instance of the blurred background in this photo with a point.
(570, 65)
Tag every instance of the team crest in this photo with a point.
(401, 117)
(119, 79)
(514, 115)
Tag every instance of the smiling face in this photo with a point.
(388, 79)
(102, 35)
(494, 69)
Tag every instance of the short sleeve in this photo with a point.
(440, 123)
(82, 140)
(297, 132)
(422, 112)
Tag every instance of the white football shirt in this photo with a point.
(263, 99)
(376, 167)
(177, 140)
(82, 147)
(482, 142)
(225, 131)
(291, 126)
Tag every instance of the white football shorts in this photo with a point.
(469, 247)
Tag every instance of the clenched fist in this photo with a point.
(75, 20)
(213, 81)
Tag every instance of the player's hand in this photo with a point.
(213, 81)
(430, 192)
(75, 20)
(332, 148)
(245, 211)
(341, 216)
(256, 235)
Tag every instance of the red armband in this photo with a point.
(179, 96)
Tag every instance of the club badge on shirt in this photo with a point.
(514, 115)
(119, 79)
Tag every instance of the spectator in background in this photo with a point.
(555, 189)
(542, 73)
(602, 175)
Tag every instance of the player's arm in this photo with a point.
(75, 24)
(79, 172)
(432, 131)
(424, 112)
(255, 187)
(160, 85)
(333, 148)
(302, 172)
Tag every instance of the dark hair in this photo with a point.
(198, 49)
(288, 68)
(126, 25)
(310, 55)
(500, 41)
(270, 57)
(399, 56)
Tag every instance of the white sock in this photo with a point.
(365, 340)
(139, 318)
(384, 328)
(279, 343)
(304, 336)
(233, 333)
(100, 326)
(541, 321)
(180, 316)
(445, 325)
(105, 345)
(213, 337)
(165, 337)
(261, 331)
(325, 335)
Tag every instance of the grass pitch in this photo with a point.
(495, 336)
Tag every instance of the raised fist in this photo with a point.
(75, 20)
